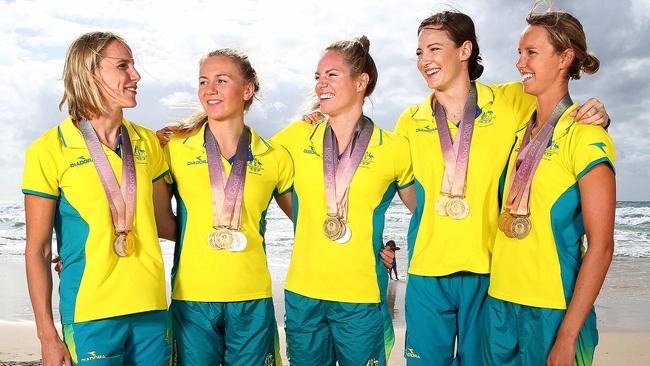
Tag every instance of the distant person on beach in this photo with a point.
(454, 225)
(92, 179)
(222, 309)
(347, 170)
(559, 186)
(393, 269)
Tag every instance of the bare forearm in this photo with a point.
(39, 283)
(588, 284)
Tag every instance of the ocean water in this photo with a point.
(631, 235)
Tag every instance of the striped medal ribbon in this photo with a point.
(121, 198)
(227, 193)
(338, 176)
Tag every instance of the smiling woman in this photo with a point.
(106, 233)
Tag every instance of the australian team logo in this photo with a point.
(372, 362)
(81, 160)
(486, 119)
(368, 158)
(197, 161)
(268, 360)
(255, 166)
(139, 155)
(311, 150)
(551, 150)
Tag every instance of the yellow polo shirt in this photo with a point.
(95, 283)
(321, 268)
(201, 273)
(438, 245)
(541, 269)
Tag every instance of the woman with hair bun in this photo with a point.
(460, 138)
(559, 186)
(347, 171)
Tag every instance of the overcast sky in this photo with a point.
(284, 40)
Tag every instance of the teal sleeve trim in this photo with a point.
(40, 194)
(406, 185)
(593, 164)
(276, 193)
(160, 176)
(62, 139)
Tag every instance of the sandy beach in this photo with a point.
(622, 308)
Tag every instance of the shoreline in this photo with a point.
(623, 319)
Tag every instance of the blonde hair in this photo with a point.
(564, 32)
(194, 123)
(80, 89)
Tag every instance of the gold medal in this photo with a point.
(333, 228)
(457, 208)
(520, 227)
(441, 205)
(503, 217)
(507, 225)
(221, 238)
(124, 245)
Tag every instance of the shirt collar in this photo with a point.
(319, 132)
(72, 137)
(485, 96)
(258, 145)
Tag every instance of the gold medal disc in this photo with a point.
(501, 223)
(520, 227)
(333, 228)
(119, 245)
(441, 205)
(129, 244)
(457, 208)
(507, 225)
(221, 238)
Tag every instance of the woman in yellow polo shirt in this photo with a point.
(223, 176)
(347, 170)
(560, 186)
(454, 224)
(112, 284)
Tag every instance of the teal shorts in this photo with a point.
(135, 339)
(439, 312)
(524, 335)
(225, 333)
(320, 332)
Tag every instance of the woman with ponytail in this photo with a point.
(559, 186)
(347, 171)
(223, 175)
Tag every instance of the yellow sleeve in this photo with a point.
(403, 168)
(41, 176)
(158, 167)
(285, 170)
(169, 178)
(401, 127)
(591, 146)
(522, 104)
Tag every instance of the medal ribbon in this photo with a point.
(456, 151)
(529, 157)
(121, 198)
(338, 174)
(229, 191)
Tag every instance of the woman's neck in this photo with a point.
(546, 103)
(227, 134)
(454, 97)
(107, 127)
(344, 125)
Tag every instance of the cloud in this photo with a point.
(284, 40)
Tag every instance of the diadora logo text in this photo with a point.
(92, 356)
(311, 150)
(198, 160)
(139, 154)
(255, 166)
(411, 353)
(486, 119)
(426, 128)
(81, 160)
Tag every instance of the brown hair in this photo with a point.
(356, 54)
(564, 32)
(80, 89)
(460, 28)
(248, 73)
